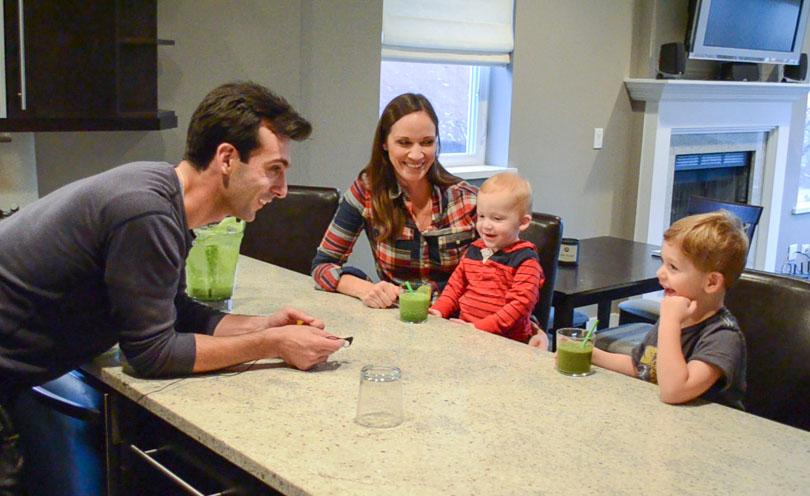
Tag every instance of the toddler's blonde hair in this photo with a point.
(516, 186)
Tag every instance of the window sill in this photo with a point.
(802, 208)
(468, 172)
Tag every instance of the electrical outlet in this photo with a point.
(792, 251)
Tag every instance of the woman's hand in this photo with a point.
(381, 295)
(435, 312)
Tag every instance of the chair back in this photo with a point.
(545, 231)
(748, 214)
(774, 314)
(287, 232)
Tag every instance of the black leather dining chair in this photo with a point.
(748, 214)
(648, 310)
(287, 232)
(545, 231)
(774, 315)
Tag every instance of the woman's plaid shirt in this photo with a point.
(427, 256)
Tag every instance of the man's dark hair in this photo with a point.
(232, 113)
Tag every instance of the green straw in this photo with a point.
(590, 333)
(409, 286)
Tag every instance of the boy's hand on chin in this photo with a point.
(677, 308)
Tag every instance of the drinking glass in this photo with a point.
(211, 262)
(574, 358)
(379, 403)
(413, 305)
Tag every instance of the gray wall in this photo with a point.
(215, 41)
(570, 62)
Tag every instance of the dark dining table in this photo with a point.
(609, 268)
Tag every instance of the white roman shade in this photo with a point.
(475, 32)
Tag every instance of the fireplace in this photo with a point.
(724, 176)
(683, 117)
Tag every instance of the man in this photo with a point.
(102, 260)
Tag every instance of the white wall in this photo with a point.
(794, 228)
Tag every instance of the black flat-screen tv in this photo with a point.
(767, 31)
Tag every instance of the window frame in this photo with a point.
(803, 207)
(478, 106)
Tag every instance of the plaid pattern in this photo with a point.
(429, 256)
(498, 295)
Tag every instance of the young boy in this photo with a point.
(696, 348)
(497, 283)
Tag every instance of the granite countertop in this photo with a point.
(483, 415)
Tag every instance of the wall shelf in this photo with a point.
(659, 90)
(164, 119)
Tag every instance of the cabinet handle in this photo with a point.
(171, 475)
(21, 7)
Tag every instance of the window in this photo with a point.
(458, 94)
(444, 49)
(803, 199)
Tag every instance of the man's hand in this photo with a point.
(304, 346)
(435, 312)
(292, 316)
(381, 295)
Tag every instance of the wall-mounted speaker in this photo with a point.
(671, 60)
(796, 73)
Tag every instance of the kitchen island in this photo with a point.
(483, 415)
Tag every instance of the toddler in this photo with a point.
(497, 283)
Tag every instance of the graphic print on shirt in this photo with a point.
(647, 365)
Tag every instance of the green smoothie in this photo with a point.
(413, 307)
(211, 263)
(572, 358)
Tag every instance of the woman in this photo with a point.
(418, 217)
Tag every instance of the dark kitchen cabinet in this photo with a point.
(82, 65)
(152, 458)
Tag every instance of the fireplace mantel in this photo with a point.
(678, 106)
(675, 90)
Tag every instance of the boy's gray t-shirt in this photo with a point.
(717, 341)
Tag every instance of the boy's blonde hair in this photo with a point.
(519, 189)
(714, 242)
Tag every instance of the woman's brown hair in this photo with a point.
(388, 214)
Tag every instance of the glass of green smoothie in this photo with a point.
(573, 358)
(413, 305)
(211, 263)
